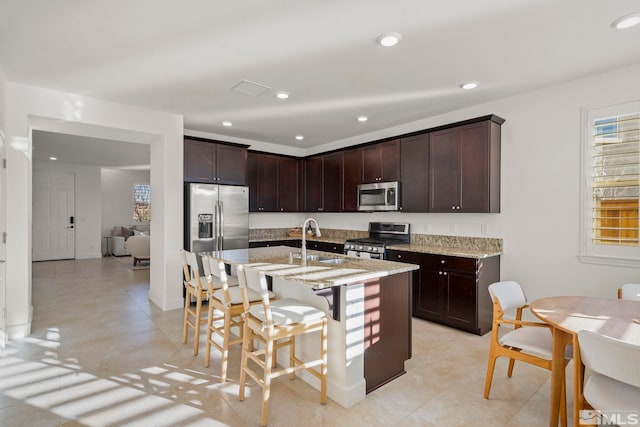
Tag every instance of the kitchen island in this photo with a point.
(368, 303)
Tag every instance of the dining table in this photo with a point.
(567, 315)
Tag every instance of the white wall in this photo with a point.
(87, 205)
(85, 116)
(117, 197)
(539, 219)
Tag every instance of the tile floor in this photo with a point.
(101, 354)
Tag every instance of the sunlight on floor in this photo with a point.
(146, 397)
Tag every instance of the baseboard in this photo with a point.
(89, 255)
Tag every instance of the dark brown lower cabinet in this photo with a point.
(452, 290)
(336, 248)
(263, 244)
(387, 328)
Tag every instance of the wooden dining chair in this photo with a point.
(225, 311)
(529, 342)
(196, 288)
(629, 291)
(276, 324)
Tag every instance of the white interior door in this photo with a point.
(53, 216)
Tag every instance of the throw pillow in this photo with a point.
(126, 233)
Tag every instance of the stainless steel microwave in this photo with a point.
(379, 196)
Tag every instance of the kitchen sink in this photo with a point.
(325, 259)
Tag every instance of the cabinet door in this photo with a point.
(443, 170)
(313, 184)
(199, 161)
(332, 182)
(268, 183)
(351, 177)
(253, 166)
(231, 164)
(429, 294)
(372, 164)
(474, 167)
(461, 308)
(414, 165)
(288, 184)
(390, 158)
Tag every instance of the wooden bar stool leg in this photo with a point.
(323, 368)
(187, 303)
(196, 322)
(247, 346)
(292, 355)
(207, 356)
(225, 345)
(266, 388)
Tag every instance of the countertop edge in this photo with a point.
(435, 250)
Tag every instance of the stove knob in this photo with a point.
(371, 249)
(360, 248)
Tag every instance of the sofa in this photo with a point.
(120, 235)
(139, 246)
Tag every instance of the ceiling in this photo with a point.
(82, 150)
(185, 56)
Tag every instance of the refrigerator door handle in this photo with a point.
(217, 227)
(221, 210)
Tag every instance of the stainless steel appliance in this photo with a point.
(216, 217)
(379, 196)
(381, 235)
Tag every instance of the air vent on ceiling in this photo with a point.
(250, 88)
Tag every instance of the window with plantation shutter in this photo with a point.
(611, 168)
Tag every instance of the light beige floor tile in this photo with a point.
(102, 354)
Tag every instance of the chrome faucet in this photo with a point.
(303, 251)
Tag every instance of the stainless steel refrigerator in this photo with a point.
(216, 217)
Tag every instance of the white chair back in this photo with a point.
(255, 279)
(192, 261)
(509, 294)
(630, 291)
(610, 357)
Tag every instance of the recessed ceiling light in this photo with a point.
(363, 118)
(282, 95)
(53, 158)
(469, 85)
(389, 39)
(626, 21)
(227, 123)
(299, 137)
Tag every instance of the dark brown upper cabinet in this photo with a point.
(274, 183)
(351, 177)
(262, 172)
(332, 182)
(313, 184)
(414, 161)
(464, 168)
(323, 183)
(289, 184)
(215, 163)
(381, 161)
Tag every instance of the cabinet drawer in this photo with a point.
(450, 262)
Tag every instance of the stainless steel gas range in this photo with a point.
(381, 235)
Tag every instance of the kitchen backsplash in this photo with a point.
(460, 242)
(283, 233)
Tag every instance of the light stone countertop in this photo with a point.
(460, 246)
(316, 274)
(441, 250)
